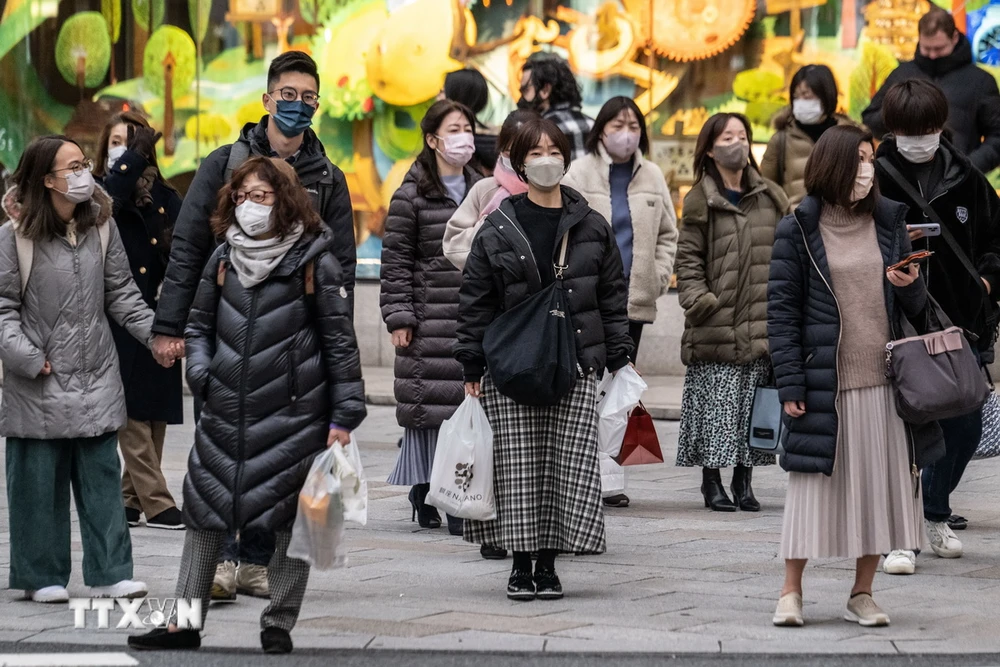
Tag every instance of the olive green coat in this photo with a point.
(723, 261)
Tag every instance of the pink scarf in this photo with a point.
(510, 184)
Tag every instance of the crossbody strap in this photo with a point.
(561, 266)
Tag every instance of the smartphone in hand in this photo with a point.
(929, 228)
(912, 258)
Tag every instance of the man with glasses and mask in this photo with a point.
(291, 100)
(549, 88)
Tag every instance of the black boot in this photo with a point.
(742, 491)
(714, 491)
(426, 515)
(456, 526)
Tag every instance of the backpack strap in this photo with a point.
(25, 256)
(239, 152)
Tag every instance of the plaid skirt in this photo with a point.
(546, 476)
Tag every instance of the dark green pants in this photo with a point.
(39, 475)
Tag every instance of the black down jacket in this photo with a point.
(804, 332)
(275, 368)
(501, 272)
(193, 241)
(420, 291)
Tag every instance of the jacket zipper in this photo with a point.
(527, 243)
(241, 450)
(840, 333)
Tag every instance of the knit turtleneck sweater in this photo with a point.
(857, 271)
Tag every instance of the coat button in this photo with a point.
(124, 167)
(501, 226)
(153, 241)
(590, 369)
(142, 270)
(522, 256)
(161, 211)
(324, 173)
(570, 290)
(579, 331)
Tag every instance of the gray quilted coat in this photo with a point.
(63, 318)
(275, 368)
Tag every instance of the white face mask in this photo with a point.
(114, 154)
(865, 179)
(545, 172)
(808, 112)
(79, 187)
(254, 219)
(919, 149)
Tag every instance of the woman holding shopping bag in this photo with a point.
(63, 273)
(419, 297)
(853, 487)
(546, 476)
(271, 349)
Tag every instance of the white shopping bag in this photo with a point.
(462, 474)
(617, 396)
(318, 532)
(612, 476)
(353, 485)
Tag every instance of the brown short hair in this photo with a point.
(291, 201)
(528, 136)
(935, 21)
(832, 168)
(914, 107)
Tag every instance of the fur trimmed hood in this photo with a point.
(100, 200)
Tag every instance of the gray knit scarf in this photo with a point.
(254, 259)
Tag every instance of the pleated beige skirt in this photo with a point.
(869, 505)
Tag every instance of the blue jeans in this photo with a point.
(961, 438)
(255, 547)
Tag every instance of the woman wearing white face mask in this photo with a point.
(722, 258)
(799, 126)
(832, 306)
(420, 296)
(271, 349)
(632, 195)
(546, 472)
(63, 274)
(146, 208)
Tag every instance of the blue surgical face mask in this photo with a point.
(293, 118)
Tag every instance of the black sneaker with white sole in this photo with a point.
(520, 587)
(169, 519)
(132, 517)
(547, 585)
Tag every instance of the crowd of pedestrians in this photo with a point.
(794, 274)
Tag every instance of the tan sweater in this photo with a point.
(858, 274)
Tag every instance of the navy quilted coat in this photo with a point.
(275, 368)
(804, 332)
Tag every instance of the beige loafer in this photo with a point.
(861, 609)
(789, 611)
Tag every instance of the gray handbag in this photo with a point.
(936, 375)
(766, 429)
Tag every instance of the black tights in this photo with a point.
(546, 561)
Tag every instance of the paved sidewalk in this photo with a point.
(676, 579)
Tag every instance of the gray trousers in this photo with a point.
(286, 577)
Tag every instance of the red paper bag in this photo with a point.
(641, 444)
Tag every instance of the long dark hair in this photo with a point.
(430, 181)
(38, 220)
(291, 202)
(608, 113)
(832, 168)
(710, 132)
(467, 86)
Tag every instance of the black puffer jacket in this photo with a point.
(804, 332)
(973, 101)
(420, 291)
(501, 273)
(193, 241)
(276, 368)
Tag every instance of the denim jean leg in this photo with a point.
(256, 546)
(961, 438)
(230, 549)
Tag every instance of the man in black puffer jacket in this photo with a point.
(944, 56)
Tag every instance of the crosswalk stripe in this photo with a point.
(67, 660)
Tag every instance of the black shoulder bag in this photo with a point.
(531, 349)
(990, 311)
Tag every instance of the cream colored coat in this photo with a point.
(466, 220)
(654, 224)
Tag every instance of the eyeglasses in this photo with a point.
(289, 94)
(78, 167)
(256, 196)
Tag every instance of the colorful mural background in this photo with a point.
(197, 68)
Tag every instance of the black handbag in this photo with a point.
(531, 349)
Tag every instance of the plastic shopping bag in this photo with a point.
(318, 532)
(462, 474)
(353, 485)
(612, 475)
(617, 396)
(989, 443)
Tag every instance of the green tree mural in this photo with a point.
(111, 10)
(169, 39)
(83, 50)
(148, 13)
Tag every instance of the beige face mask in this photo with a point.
(864, 182)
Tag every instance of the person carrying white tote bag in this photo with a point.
(462, 474)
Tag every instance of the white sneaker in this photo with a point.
(49, 594)
(126, 588)
(943, 540)
(900, 562)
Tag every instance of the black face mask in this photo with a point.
(526, 105)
